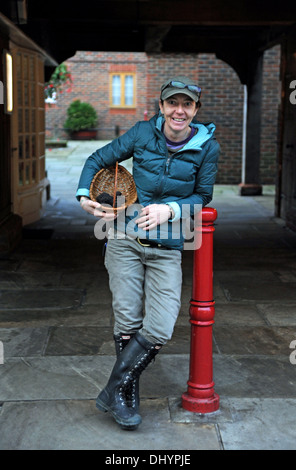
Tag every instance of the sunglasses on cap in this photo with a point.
(193, 88)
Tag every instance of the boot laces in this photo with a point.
(127, 395)
(138, 368)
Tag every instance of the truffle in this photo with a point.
(105, 198)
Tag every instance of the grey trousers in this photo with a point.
(146, 288)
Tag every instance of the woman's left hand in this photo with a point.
(153, 215)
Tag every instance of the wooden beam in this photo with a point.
(169, 12)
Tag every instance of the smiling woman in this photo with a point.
(178, 111)
(179, 103)
(174, 169)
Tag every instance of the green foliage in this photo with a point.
(80, 116)
(60, 78)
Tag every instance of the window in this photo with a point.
(29, 119)
(122, 90)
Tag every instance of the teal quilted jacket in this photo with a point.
(184, 181)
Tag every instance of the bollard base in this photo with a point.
(200, 405)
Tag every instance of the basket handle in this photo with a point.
(115, 184)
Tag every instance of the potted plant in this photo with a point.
(81, 121)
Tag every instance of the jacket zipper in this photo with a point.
(165, 173)
(167, 164)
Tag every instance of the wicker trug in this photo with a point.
(112, 179)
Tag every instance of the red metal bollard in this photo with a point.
(200, 396)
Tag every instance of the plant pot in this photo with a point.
(85, 134)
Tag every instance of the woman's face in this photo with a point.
(178, 111)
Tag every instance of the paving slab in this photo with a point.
(238, 314)
(83, 377)
(255, 376)
(22, 342)
(96, 315)
(260, 424)
(243, 340)
(77, 425)
(279, 313)
(40, 299)
(60, 377)
(255, 290)
(77, 340)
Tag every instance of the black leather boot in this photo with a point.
(134, 358)
(132, 393)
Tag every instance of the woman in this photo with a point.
(174, 168)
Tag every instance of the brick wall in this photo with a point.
(222, 99)
(222, 102)
(90, 75)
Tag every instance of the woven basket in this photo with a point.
(110, 180)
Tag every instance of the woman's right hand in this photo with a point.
(94, 208)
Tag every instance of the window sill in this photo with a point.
(118, 110)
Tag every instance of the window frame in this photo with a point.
(29, 120)
(122, 104)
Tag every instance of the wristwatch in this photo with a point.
(172, 214)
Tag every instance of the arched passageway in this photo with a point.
(55, 312)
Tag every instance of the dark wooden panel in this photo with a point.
(288, 182)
